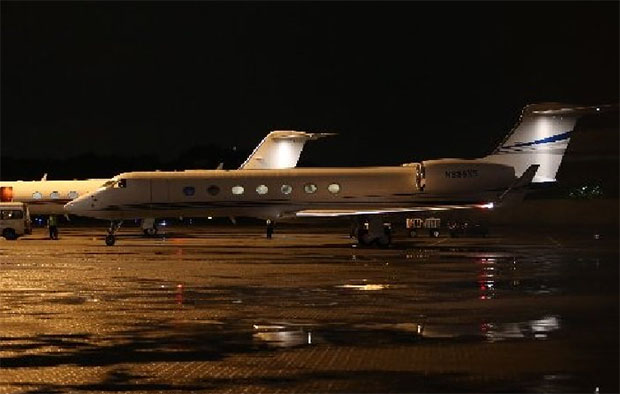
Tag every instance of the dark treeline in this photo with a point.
(106, 166)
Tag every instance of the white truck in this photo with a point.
(14, 220)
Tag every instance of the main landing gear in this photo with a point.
(110, 239)
(373, 230)
(149, 228)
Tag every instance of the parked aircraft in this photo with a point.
(531, 152)
(47, 197)
(279, 149)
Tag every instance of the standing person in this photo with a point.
(52, 224)
(269, 228)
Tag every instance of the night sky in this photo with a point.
(399, 82)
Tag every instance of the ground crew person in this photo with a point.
(52, 224)
(269, 228)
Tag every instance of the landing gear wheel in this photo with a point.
(110, 239)
(363, 238)
(384, 241)
(9, 234)
(150, 232)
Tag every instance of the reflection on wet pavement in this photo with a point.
(307, 313)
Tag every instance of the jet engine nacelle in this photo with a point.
(446, 176)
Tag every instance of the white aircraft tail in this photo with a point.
(541, 137)
(279, 150)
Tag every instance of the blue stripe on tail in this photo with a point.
(553, 138)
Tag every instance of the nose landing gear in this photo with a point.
(110, 238)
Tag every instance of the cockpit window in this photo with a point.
(109, 183)
(122, 183)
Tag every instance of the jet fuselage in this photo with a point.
(274, 194)
(48, 197)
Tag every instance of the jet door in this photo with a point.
(159, 194)
(6, 193)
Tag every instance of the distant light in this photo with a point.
(163, 223)
(209, 217)
(598, 109)
(487, 206)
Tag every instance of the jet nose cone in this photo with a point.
(78, 206)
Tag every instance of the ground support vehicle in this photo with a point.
(416, 226)
(14, 220)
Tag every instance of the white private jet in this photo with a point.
(531, 152)
(278, 150)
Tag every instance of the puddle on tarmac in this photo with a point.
(287, 334)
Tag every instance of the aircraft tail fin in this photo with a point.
(279, 150)
(541, 136)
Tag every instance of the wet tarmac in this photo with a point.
(222, 309)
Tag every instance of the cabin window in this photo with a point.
(11, 214)
(310, 188)
(73, 194)
(55, 195)
(237, 190)
(189, 190)
(286, 189)
(37, 195)
(213, 190)
(334, 188)
(262, 189)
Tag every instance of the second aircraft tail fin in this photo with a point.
(279, 150)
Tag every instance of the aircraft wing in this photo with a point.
(317, 213)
